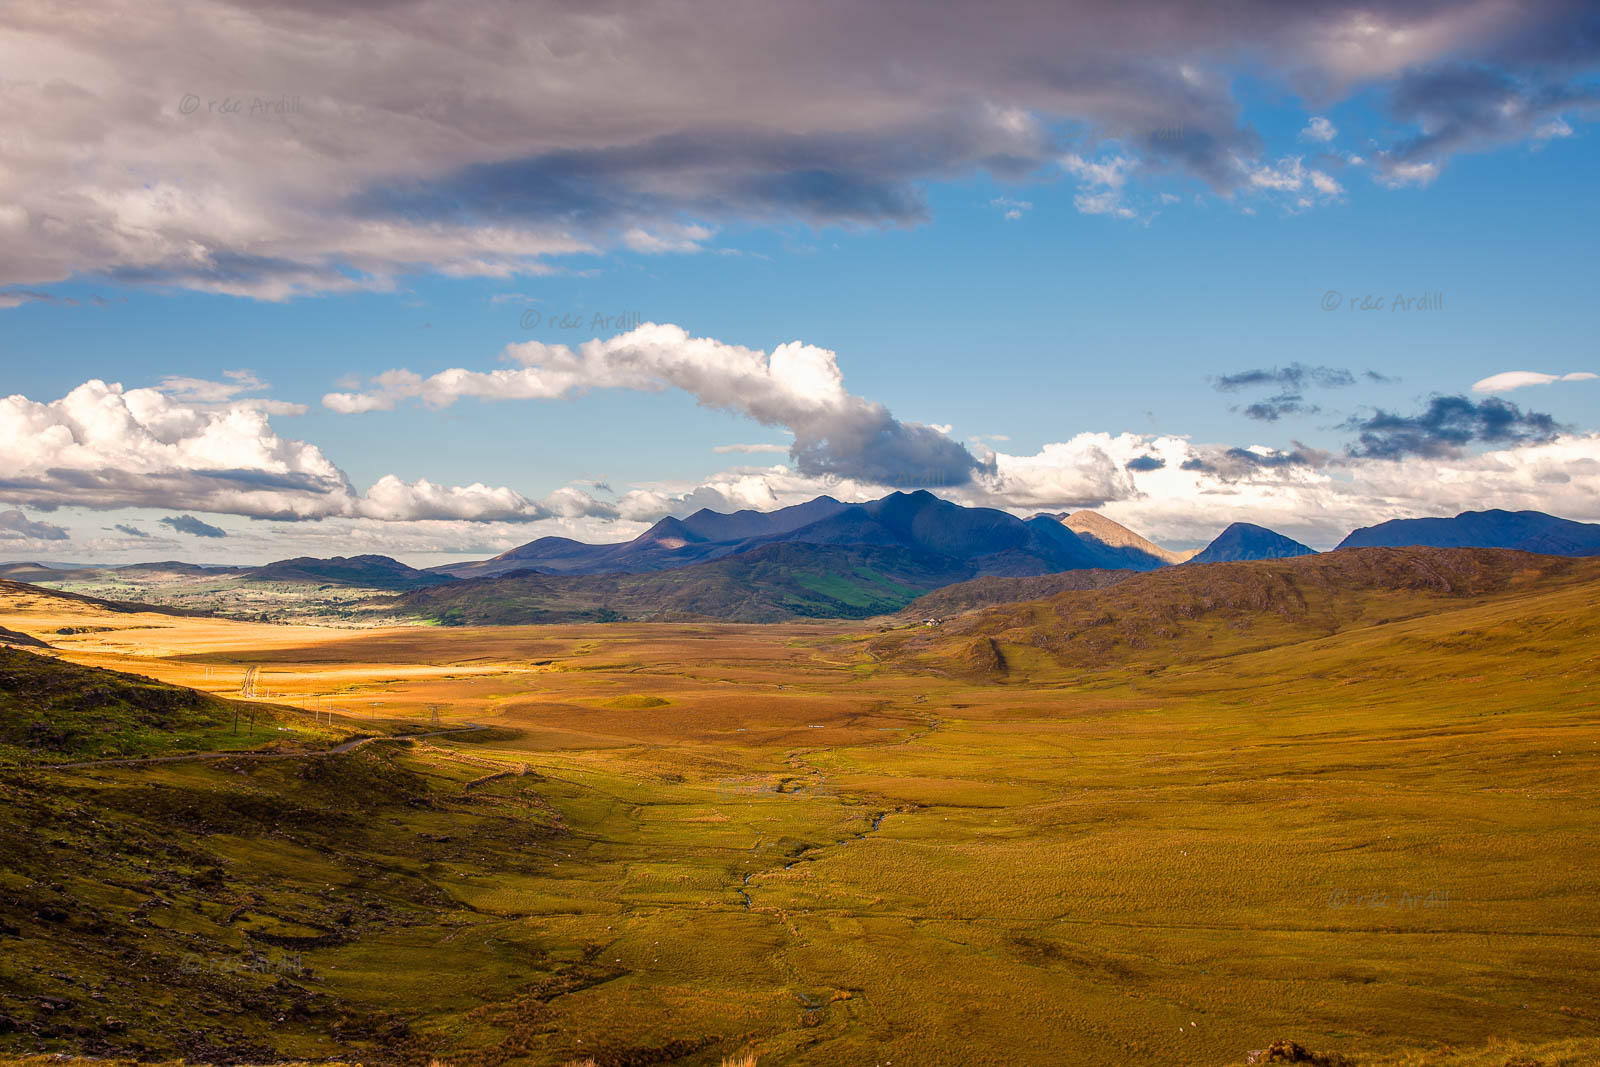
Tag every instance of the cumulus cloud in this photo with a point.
(799, 387)
(130, 531)
(1446, 426)
(1519, 379)
(103, 447)
(188, 524)
(491, 139)
(16, 526)
(1319, 502)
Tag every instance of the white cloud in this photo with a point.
(1290, 175)
(1319, 129)
(727, 449)
(233, 392)
(1325, 184)
(1316, 502)
(103, 447)
(1518, 379)
(1395, 174)
(1103, 184)
(1555, 128)
(1013, 209)
(663, 239)
(799, 387)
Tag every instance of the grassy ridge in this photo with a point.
(989, 591)
(1227, 608)
(52, 711)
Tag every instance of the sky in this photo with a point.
(433, 280)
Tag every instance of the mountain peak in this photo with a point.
(1093, 526)
(1246, 540)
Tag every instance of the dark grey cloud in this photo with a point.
(1231, 464)
(870, 445)
(131, 531)
(1146, 463)
(490, 138)
(1295, 376)
(1446, 426)
(1466, 106)
(1274, 408)
(14, 525)
(190, 525)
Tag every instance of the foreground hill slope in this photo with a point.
(1527, 531)
(22, 595)
(163, 911)
(1221, 609)
(761, 841)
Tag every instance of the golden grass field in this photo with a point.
(1381, 842)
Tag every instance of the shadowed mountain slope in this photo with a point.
(1245, 541)
(1527, 531)
(769, 584)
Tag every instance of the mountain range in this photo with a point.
(1528, 531)
(820, 558)
(369, 572)
(991, 541)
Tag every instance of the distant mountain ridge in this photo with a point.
(376, 572)
(1527, 531)
(1247, 541)
(991, 541)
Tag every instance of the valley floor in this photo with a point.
(680, 842)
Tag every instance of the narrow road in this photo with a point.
(337, 750)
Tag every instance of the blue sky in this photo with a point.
(1050, 317)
